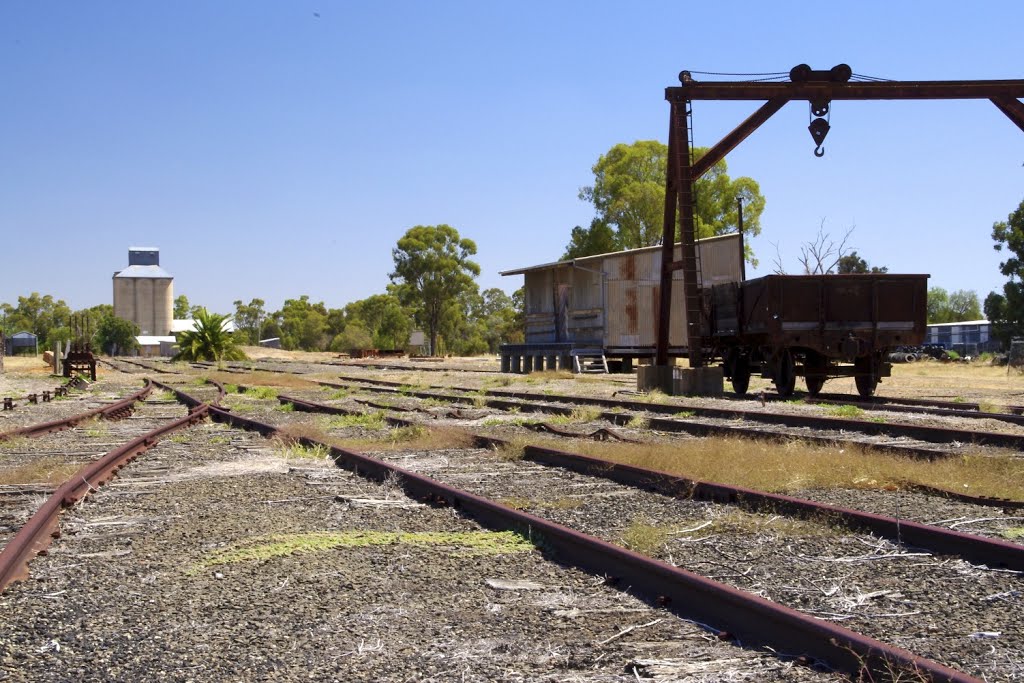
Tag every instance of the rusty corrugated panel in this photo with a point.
(629, 267)
(622, 309)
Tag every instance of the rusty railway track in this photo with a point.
(114, 410)
(687, 425)
(939, 435)
(737, 615)
(976, 549)
(968, 409)
(35, 536)
(962, 406)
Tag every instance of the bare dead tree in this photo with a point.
(821, 256)
(777, 266)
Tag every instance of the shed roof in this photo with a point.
(584, 260)
(23, 335)
(151, 340)
(960, 322)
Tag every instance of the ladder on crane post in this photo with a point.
(679, 195)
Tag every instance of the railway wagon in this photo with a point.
(815, 326)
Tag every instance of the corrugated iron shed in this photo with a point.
(611, 300)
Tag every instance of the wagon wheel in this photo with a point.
(740, 374)
(815, 372)
(867, 375)
(785, 373)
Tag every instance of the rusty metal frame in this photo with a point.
(682, 173)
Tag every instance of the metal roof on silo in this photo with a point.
(145, 272)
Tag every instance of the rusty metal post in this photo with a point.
(667, 244)
(743, 243)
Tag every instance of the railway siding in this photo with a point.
(134, 589)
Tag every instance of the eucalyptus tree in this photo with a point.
(432, 271)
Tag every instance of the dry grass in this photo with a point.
(580, 414)
(522, 503)
(52, 471)
(28, 365)
(14, 443)
(413, 438)
(546, 376)
(790, 466)
(296, 431)
(952, 381)
(644, 537)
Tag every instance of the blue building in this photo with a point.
(968, 337)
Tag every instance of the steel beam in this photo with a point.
(827, 90)
(738, 135)
(1013, 109)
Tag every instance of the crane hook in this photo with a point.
(819, 151)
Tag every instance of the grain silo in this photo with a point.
(144, 292)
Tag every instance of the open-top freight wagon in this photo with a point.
(815, 326)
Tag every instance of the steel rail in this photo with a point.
(977, 549)
(36, 535)
(950, 407)
(970, 411)
(676, 425)
(916, 432)
(111, 411)
(191, 401)
(147, 367)
(303, 405)
(738, 615)
(932, 491)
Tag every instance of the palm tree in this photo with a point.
(210, 340)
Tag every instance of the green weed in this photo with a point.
(262, 392)
(463, 544)
(845, 411)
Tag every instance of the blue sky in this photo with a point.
(274, 149)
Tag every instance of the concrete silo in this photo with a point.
(144, 292)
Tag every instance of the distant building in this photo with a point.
(144, 293)
(26, 342)
(152, 345)
(968, 338)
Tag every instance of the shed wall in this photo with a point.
(613, 300)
